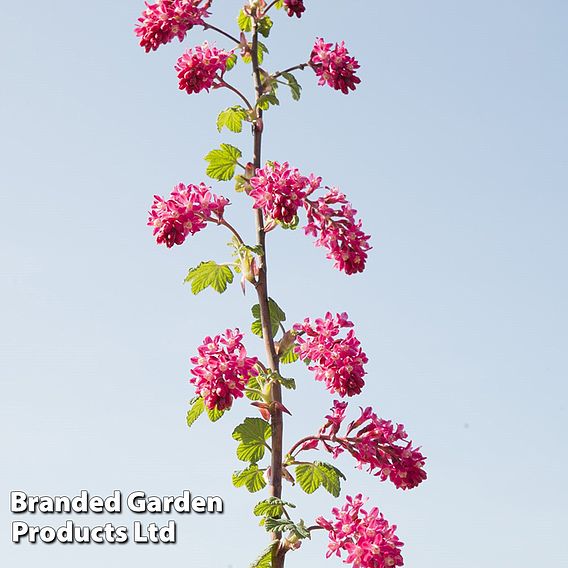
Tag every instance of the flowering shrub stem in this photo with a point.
(276, 421)
(222, 372)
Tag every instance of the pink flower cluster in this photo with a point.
(280, 190)
(197, 68)
(186, 212)
(334, 66)
(337, 229)
(294, 7)
(365, 536)
(377, 444)
(336, 361)
(161, 22)
(222, 369)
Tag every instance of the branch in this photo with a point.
(219, 30)
(224, 83)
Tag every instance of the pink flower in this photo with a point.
(161, 22)
(294, 7)
(338, 362)
(197, 68)
(334, 66)
(186, 212)
(336, 229)
(378, 445)
(365, 538)
(222, 369)
(280, 190)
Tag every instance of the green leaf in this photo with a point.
(244, 21)
(277, 316)
(278, 5)
(313, 475)
(252, 435)
(289, 357)
(222, 162)
(287, 383)
(209, 274)
(241, 183)
(266, 100)
(264, 26)
(261, 50)
(196, 410)
(281, 525)
(295, 87)
(251, 477)
(265, 559)
(278, 525)
(232, 118)
(271, 507)
(214, 414)
(231, 61)
(292, 225)
(253, 384)
(331, 479)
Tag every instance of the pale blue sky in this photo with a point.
(454, 151)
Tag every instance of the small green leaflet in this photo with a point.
(281, 525)
(287, 383)
(252, 435)
(271, 507)
(255, 385)
(244, 21)
(266, 100)
(295, 87)
(241, 183)
(196, 410)
(289, 357)
(231, 61)
(209, 274)
(264, 26)
(222, 162)
(313, 475)
(232, 118)
(279, 3)
(265, 559)
(261, 50)
(277, 316)
(251, 477)
(215, 414)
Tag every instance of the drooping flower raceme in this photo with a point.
(165, 20)
(365, 538)
(331, 219)
(336, 361)
(294, 7)
(197, 68)
(222, 369)
(334, 66)
(280, 190)
(378, 445)
(186, 212)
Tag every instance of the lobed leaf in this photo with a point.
(196, 410)
(252, 435)
(251, 477)
(295, 87)
(209, 274)
(215, 414)
(232, 118)
(271, 507)
(277, 316)
(222, 162)
(313, 475)
(265, 559)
